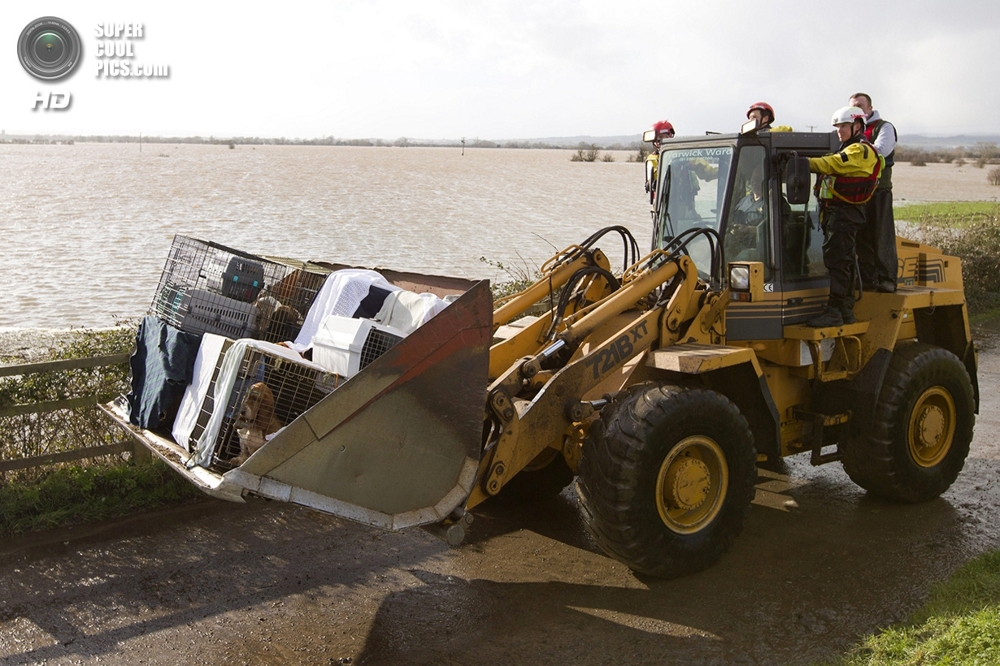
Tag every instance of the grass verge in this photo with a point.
(953, 214)
(989, 319)
(959, 624)
(73, 495)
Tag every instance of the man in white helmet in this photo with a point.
(849, 179)
(877, 240)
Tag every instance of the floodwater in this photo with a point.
(86, 228)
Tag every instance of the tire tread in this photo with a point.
(879, 461)
(615, 471)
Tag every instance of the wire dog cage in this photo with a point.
(210, 288)
(292, 387)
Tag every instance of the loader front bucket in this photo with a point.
(398, 444)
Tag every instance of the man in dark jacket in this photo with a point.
(877, 239)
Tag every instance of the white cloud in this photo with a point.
(518, 69)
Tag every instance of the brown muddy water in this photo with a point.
(86, 228)
(818, 566)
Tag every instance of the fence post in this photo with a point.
(140, 454)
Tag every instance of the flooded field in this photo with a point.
(942, 182)
(87, 227)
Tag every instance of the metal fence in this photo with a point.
(49, 415)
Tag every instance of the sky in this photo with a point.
(511, 70)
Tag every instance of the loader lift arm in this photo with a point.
(537, 402)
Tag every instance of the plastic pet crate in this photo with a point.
(202, 311)
(345, 345)
(209, 288)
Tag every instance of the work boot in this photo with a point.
(829, 317)
(886, 286)
(846, 307)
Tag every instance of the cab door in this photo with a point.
(748, 235)
(803, 279)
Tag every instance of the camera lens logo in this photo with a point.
(49, 48)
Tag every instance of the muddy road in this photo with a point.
(818, 565)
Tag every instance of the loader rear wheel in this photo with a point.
(922, 428)
(667, 477)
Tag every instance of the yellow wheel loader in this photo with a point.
(661, 385)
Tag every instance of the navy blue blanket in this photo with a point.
(162, 367)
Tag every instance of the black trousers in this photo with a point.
(841, 224)
(877, 240)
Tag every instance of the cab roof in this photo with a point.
(824, 141)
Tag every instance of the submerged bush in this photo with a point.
(585, 153)
(641, 153)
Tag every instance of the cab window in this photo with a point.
(748, 221)
(692, 187)
(802, 238)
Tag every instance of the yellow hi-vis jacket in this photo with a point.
(849, 175)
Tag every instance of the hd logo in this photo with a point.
(49, 49)
(54, 101)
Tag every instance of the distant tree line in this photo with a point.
(401, 142)
(981, 154)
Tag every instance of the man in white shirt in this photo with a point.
(877, 239)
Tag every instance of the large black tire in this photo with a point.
(667, 477)
(922, 428)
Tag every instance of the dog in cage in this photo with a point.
(283, 324)
(277, 322)
(256, 420)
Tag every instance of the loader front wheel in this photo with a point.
(667, 477)
(922, 428)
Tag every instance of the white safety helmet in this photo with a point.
(847, 114)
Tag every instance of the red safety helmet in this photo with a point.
(660, 130)
(762, 106)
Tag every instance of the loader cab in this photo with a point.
(735, 185)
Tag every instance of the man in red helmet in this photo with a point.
(659, 131)
(763, 112)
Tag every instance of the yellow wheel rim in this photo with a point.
(932, 427)
(691, 484)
